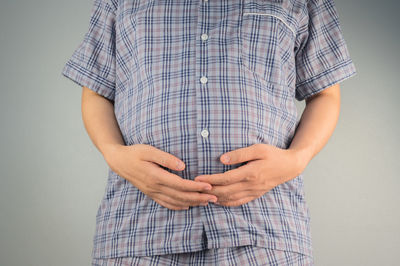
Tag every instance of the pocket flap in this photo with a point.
(274, 8)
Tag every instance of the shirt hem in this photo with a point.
(264, 243)
(90, 80)
(222, 243)
(337, 73)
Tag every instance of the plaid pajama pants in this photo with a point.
(242, 255)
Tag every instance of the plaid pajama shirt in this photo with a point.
(197, 79)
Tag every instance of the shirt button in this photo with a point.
(203, 79)
(204, 133)
(204, 37)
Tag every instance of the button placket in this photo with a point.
(204, 162)
(204, 37)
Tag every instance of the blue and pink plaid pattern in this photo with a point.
(242, 255)
(232, 69)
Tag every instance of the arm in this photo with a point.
(100, 122)
(316, 125)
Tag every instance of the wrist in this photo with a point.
(109, 150)
(301, 159)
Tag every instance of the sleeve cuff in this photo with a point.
(89, 79)
(325, 79)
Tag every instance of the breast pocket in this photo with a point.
(266, 41)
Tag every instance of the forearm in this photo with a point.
(100, 122)
(317, 124)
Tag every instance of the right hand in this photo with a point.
(140, 165)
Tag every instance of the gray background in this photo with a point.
(53, 178)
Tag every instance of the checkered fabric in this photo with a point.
(240, 256)
(197, 79)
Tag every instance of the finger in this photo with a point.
(153, 154)
(174, 181)
(188, 198)
(236, 203)
(164, 200)
(228, 177)
(232, 192)
(169, 203)
(245, 154)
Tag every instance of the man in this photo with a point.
(191, 103)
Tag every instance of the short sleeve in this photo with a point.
(322, 57)
(92, 64)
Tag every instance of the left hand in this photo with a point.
(267, 166)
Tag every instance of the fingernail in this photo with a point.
(225, 158)
(180, 165)
(207, 188)
(212, 200)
